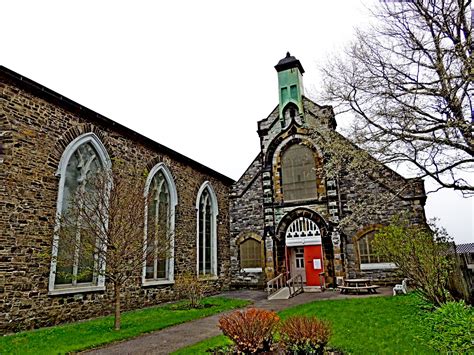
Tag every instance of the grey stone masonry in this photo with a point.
(246, 211)
(36, 126)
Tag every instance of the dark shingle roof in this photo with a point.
(465, 248)
(289, 62)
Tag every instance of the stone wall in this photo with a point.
(246, 218)
(383, 197)
(36, 127)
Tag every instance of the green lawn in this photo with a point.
(89, 334)
(376, 325)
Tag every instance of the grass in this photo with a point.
(375, 325)
(93, 333)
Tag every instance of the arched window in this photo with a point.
(298, 173)
(291, 110)
(368, 259)
(72, 266)
(303, 231)
(161, 199)
(251, 254)
(206, 205)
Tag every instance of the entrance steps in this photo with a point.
(284, 293)
(281, 294)
(279, 288)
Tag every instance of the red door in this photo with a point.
(313, 257)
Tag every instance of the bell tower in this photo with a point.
(290, 89)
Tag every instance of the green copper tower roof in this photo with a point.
(290, 89)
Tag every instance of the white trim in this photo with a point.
(158, 282)
(76, 143)
(299, 227)
(76, 289)
(61, 172)
(161, 167)
(253, 269)
(215, 212)
(377, 266)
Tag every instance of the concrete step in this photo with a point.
(281, 294)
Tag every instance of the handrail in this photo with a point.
(276, 284)
(295, 285)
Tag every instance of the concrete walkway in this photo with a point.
(173, 338)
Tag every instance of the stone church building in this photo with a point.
(281, 217)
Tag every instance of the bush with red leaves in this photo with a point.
(251, 330)
(304, 335)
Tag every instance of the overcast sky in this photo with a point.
(195, 76)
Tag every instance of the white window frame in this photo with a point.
(169, 279)
(61, 173)
(378, 266)
(215, 211)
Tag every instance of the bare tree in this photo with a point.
(408, 78)
(103, 231)
(355, 168)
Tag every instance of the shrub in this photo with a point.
(188, 286)
(452, 327)
(251, 330)
(304, 335)
(421, 252)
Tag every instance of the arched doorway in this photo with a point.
(304, 243)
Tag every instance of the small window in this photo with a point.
(284, 94)
(293, 92)
(366, 252)
(250, 254)
(290, 112)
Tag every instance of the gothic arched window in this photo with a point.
(298, 173)
(161, 199)
(72, 265)
(206, 205)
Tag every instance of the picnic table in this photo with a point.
(357, 285)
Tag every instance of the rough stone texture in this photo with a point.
(35, 130)
(354, 189)
(246, 217)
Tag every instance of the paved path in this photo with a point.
(173, 338)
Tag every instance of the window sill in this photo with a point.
(77, 289)
(208, 278)
(378, 266)
(157, 283)
(253, 270)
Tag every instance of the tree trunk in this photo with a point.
(117, 306)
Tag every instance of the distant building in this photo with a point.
(281, 216)
(466, 251)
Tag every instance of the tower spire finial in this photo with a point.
(290, 82)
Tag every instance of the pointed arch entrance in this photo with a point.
(305, 246)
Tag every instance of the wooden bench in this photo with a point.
(357, 289)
